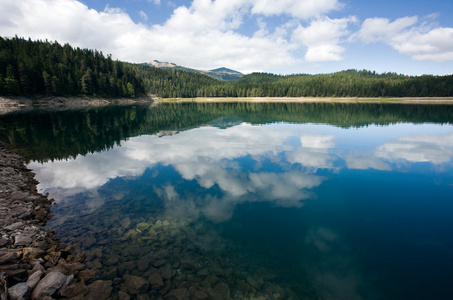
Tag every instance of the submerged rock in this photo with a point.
(135, 285)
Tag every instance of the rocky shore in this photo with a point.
(33, 263)
(21, 103)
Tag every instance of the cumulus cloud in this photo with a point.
(323, 38)
(203, 34)
(418, 41)
(432, 149)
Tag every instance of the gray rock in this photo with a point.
(3, 242)
(136, 285)
(48, 285)
(22, 240)
(17, 291)
(8, 257)
(13, 226)
(33, 279)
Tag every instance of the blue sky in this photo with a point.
(284, 37)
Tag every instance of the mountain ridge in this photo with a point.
(222, 73)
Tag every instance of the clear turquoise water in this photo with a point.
(276, 210)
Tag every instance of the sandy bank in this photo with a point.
(411, 100)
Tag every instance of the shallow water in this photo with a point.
(280, 210)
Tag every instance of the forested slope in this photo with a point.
(42, 68)
(37, 68)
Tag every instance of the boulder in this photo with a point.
(49, 285)
(17, 291)
(33, 279)
(32, 253)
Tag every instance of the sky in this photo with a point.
(410, 37)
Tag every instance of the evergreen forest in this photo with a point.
(43, 68)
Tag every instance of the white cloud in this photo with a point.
(143, 15)
(302, 9)
(202, 35)
(432, 149)
(323, 37)
(420, 42)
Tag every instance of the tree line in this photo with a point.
(47, 135)
(30, 68)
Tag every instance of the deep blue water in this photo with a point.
(306, 210)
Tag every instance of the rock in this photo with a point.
(74, 290)
(178, 294)
(69, 279)
(17, 291)
(86, 275)
(143, 297)
(143, 263)
(37, 267)
(32, 253)
(142, 226)
(159, 262)
(53, 257)
(156, 281)
(3, 242)
(166, 273)
(111, 260)
(125, 223)
(13, 226)
(33, 279)
(22, 240)
(8, 257)
(199, 295)
(123, 296)
(136, 285)
(222, 291)
(49, 285)
(99, 290)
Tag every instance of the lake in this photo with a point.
(252, 201)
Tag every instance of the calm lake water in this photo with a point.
(278, 201)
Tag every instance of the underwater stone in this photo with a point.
(178, 294)
(156, 281)
(123, 296)
(99, 290)
(135, 284)
(125, 223)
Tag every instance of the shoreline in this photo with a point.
(10, 104)
(34, 264)
(405, 100)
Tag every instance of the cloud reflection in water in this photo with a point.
(212, 157)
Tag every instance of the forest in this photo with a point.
(43, 68)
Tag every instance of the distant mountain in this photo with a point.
(220, 73)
